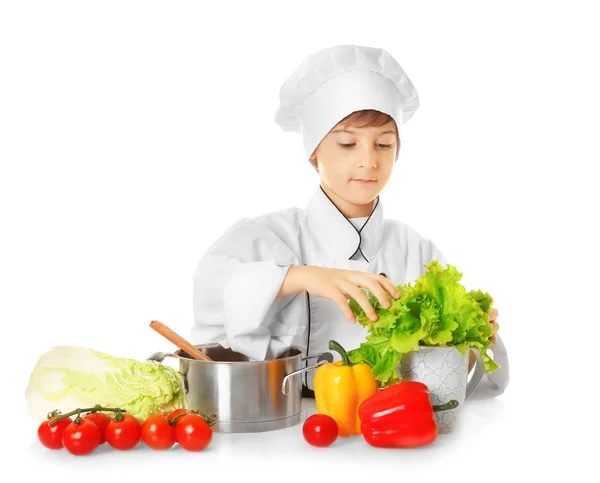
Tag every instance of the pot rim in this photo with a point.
(267, 361)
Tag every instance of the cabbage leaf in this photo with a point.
(69, 377)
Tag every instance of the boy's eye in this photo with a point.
(347, 146)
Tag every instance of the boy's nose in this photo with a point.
(368, 159)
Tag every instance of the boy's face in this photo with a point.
(355, 164)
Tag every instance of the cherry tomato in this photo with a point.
(157, 432)
(320, 430)
(101, 420)
(51, 436)
(80, 439)
(124, 434)
(177, 412)
(192, 432)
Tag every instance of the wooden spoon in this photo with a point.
(179, 341)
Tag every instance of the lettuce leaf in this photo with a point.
(435, 310)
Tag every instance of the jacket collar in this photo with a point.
(335, 236)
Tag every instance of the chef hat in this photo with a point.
(334, 82)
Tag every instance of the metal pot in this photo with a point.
(248, 396)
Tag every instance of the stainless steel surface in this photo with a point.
(285, 386)
(245, 394)
(258, 427)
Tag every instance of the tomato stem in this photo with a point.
(53, 414)
(210, 419)
(58, 416)
(174, 420)
(119, 416)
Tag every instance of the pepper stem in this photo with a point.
(335, 346)
(452, 404)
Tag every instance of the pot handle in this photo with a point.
(285, 386)
(325, 356)
(158, 357)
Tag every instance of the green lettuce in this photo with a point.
(68, 377)
(436, 310)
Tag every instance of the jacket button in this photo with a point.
(382, 273)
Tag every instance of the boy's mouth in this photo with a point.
(363, 181)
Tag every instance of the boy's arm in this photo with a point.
(235, 288)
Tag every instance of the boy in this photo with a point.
(285, 278)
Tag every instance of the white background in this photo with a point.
(132, 134)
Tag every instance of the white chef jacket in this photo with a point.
(238, 278)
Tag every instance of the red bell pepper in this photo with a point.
(400, 416)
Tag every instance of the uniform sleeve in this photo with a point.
(492, 384)
(428, 252)
(436, 254)
(235, 288)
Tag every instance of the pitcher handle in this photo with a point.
(478, 372)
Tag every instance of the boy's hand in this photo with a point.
(340, 285)
(492, 319)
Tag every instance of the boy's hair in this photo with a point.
(368, 118)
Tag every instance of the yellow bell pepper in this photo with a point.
(340, 387)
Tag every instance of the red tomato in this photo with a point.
(192, 432)
(157, 432)
(320, 430)
(51, 436)
(124, 434)
(101, 420)
(177, 412)
(80, 439)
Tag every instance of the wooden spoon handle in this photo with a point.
(179, 341)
